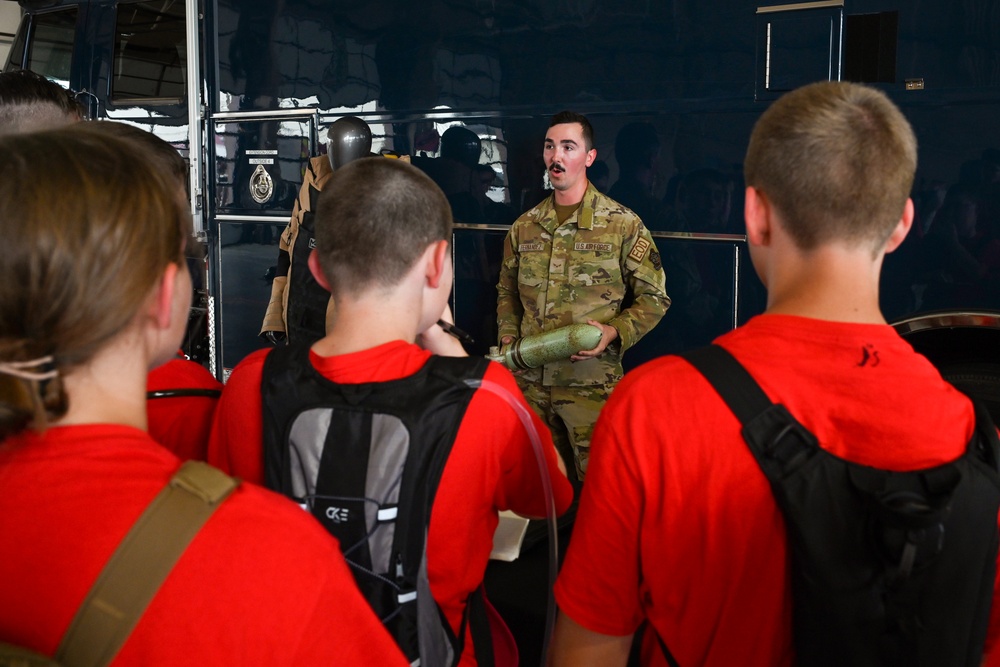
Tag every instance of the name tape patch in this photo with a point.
(599, 247)
(639, 250)
(530, 247)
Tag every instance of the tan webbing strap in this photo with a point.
(142, 561)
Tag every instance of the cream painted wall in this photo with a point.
(10, 16)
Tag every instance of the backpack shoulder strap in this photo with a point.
(464, 370)
(777, 440)
(281, 362)
(145, 557)
(479, 627)
(730, 380)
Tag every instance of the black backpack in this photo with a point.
(366, 461)
(887, 568)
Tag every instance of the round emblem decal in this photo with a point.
(261, 185)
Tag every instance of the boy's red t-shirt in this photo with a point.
(677, 524)
(492, 465)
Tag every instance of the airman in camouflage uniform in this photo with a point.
(578, 270)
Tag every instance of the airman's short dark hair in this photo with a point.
(572, 117)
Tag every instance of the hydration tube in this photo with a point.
(183, 393)
(524, 414)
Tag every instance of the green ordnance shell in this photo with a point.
(540, 349)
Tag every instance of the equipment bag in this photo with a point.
(366, 460)
(135, 572)
(887, 568)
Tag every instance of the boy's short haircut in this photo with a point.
(29, 102)
(837, 160)
(374, 218)
(564, 117)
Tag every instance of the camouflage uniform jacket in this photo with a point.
(318, 171)
(555, 275)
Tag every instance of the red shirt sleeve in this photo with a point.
(492, 419)
(492, 466)
(598, 585)
(236, 445)
(182, 424)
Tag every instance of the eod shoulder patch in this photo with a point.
(639, 249)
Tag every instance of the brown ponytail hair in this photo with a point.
(89, 225)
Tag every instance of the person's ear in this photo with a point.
(902, 227)
(591, 156)
(317, 271)
(437, 258)
(162, 304)
(757, 212)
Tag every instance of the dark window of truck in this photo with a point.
(51, 46)
(870, 47)
(798, 43)
(150, 52)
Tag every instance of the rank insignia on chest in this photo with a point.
(598, 247)
(530, 247)
(639, 250)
